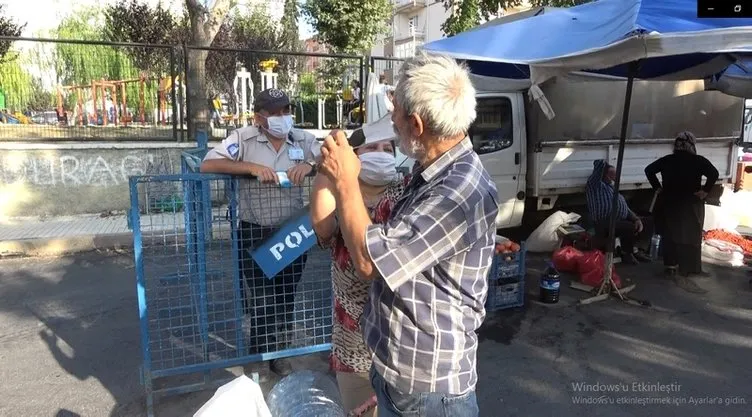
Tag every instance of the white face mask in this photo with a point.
(377, 168)
(279, 126)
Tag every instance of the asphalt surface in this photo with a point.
(69, 346)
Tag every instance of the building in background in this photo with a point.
(313, 46)
(413, 23)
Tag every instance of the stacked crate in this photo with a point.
(506, 280)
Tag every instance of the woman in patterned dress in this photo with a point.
(381, 186)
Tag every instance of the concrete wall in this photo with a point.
(60, 179)
(65, 179)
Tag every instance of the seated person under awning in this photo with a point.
(600, 193)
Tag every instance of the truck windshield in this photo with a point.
(492, 130)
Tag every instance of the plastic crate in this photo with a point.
(503, 295)
(508, 265)
(506, 280)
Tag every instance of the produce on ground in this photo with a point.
(736, 239)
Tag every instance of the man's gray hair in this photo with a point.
(438, 89)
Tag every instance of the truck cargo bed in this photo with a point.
(559, 167)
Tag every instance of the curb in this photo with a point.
(56, 246)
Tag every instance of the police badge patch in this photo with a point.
(233, 150)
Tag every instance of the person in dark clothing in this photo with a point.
(600, 193)
(682, 204)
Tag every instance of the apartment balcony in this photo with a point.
(409, 36)
(407, 6)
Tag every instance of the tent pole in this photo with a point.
(608, 284)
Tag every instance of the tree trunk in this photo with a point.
(197, 91)
(204, 27)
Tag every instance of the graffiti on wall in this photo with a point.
(91, 168)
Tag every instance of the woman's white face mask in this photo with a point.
(378, 168)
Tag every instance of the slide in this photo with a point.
(10, 119)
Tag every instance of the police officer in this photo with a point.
(270, 147)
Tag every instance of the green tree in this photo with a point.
(253, 31)
(466, 14)
(16, 84)
(348, 26)
(134, 21)
(8, 27)
(80, 65)
(205, 23)
(289, 37)
(39, 99)
(289, 41)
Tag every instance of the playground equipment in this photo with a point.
(243, 90)
(322, 111)
(165, 90)
(268, 76)
(243, 101)
(7, 118)
(104, 93)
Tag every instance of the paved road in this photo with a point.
(69, 346)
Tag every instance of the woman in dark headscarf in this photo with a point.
(683, 206)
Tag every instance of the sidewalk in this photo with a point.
(63, 235)
(72, 234)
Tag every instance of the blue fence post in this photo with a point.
(238, 279)
(202, 142)
(201, 240)
(189, 210)
(135, 216)
(202, 139)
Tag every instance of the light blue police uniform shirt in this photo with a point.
(267, 204)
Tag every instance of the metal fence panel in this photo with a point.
(68, 89)
(94, 90)
(203, 303)
(386, 66)
(321, 86)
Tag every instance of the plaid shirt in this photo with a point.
(433, 255)
(600, 196)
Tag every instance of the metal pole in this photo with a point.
(181, 100)
(173, 95)
(186, 68)
(362, 91)
(607, 279)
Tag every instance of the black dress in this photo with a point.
(681, 214)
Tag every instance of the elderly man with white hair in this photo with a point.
(429, 261)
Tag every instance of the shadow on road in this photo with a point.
(69, 339)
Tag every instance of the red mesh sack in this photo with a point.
(567, 259)
(591, 268)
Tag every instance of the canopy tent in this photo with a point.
(736, 80)
(602, 37)
(645, 39)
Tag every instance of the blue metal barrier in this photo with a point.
(194, 284)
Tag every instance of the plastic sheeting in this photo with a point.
(735, 81)
(736, 206)
(240, 397)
